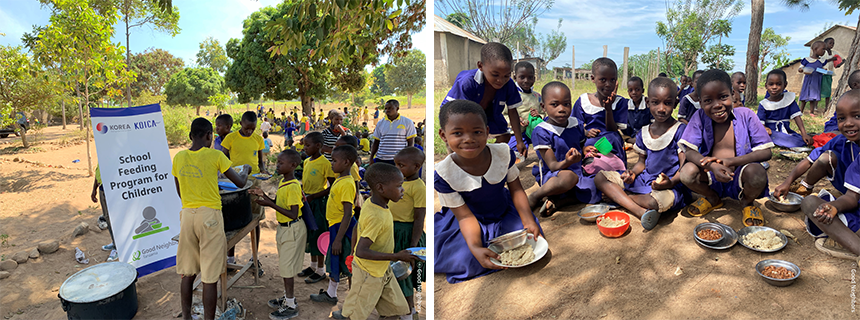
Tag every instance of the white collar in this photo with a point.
(572, 122)
(695, 104)
(479, 76)
(461, 181)
(631, 106)
(811, 60)
(661, 142)
(589, 108)
(787, 99)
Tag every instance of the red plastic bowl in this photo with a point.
(617, 231)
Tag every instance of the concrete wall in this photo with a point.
(449, 52)
(795, 79)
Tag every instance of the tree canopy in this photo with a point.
(378, 85)
(493, 21)
(692, 25)
(193, 87)
(212, 55)
(153, 67)
(24, 85)
(407, 74)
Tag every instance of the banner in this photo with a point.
(140, 191)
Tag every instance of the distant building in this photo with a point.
(842, 36)
(537, 62)
(454, 50)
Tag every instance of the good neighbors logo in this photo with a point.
(140, 125)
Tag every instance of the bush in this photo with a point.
(177, 123)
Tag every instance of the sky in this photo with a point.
(590, 24)
(199, 19)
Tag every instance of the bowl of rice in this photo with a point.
(778, 273)
(613, 224)
(709, 233)
(762, 239)
(508, 241)
(788, 203)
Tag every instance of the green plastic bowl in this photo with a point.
(603, 146)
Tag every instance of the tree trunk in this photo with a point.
(127, 52)
(306, 104)
(198, 111)
(64, 114)
(408, 101)
(753, 47)
(23, 133)
(852, 62)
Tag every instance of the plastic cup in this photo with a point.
(603, 146)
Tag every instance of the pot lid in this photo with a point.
(98, 282)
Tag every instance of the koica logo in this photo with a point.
(101, 127)
(140, 125)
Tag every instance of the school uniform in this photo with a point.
(489, 201)
(469, 85)
(594, 117)
(777, 116)
(687, 108)
(292, 234)
(749, 135)
(403, 212)
(831, 125)
(343, 190)
(850, 218)
(202, 242)
(845, 151)
(638, 116)
(315, 174)
(811, 87)
(243, 150)
(531, 100)
(373, 282)
(684, 91)
(560, 140)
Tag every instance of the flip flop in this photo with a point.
(753, 213)
(834, 249)
(703, 206)
(545, 211)
(650, 219)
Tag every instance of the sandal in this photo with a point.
(751, 215)
(702, 207)
(650, 219)
(547, 209)
(834, 249)
(799, 189)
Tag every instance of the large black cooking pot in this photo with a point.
(236, 207)
(103, 291)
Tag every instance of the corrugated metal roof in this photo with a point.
(442, 25)
(821, 36)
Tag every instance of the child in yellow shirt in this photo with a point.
(292, 234)
(317, 175)
(374, 286)
(364, 142)
(201, 247)
(409, 213)
(340, 221)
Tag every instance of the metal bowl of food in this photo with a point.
(590, 213)
(709, 233)
(508, 241)
(801, 149)
(788, 203)
(771, 272)
(401, 269)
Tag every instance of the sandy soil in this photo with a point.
(586, 275)
(46, 203)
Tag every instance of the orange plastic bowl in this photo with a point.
(617, 231)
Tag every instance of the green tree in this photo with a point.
(153, 67)
(693, 24)
(552, 45)
(212, 55)
(78, 39)
(219, 101)
(524, 41)
(378, 85)
(138, 13)
(24, 86)
(407, 74)
(770, 53)
(459, 19)
(193, 87)
(493, 21)
(717, 57)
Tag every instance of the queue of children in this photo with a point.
(717, 148)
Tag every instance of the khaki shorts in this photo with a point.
(291, 248)
(369, 292)
(665, 198)
(202, 244)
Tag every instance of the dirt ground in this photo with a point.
(42, 203)
(587, 275)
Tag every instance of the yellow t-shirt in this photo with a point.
(197, 172)
(304, 119)
(376, 225)
(243, 150)
(343, 190)
(365, 144)
(289, 194)
(354, 173)
(413, 197)
(315, 174)
(98, 175)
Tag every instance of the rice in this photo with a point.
(518, 256)
(763, 240)
(422, 252)
(611, 223)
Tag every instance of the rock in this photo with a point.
(81, 229)
(21, 257)
(95, 229)
(4, 274)
(49, 246)
(8, 265)
(34, 253)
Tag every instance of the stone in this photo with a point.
(49, 246)
(8, 265)
(95, 229)
(4, 274)
(81, 229)
(21, 257)
(34, 253)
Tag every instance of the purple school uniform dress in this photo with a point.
(560, 140)
(811, 89)
(661, 156)
(486, 197)
(469, 85)
(750, 136)
(594, 117)
(831, 125)
(845, 151)
(777, 116)
(850, 218)
(638, 116)
(683, 92)
(687, 108)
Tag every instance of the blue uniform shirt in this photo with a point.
(469, 85)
